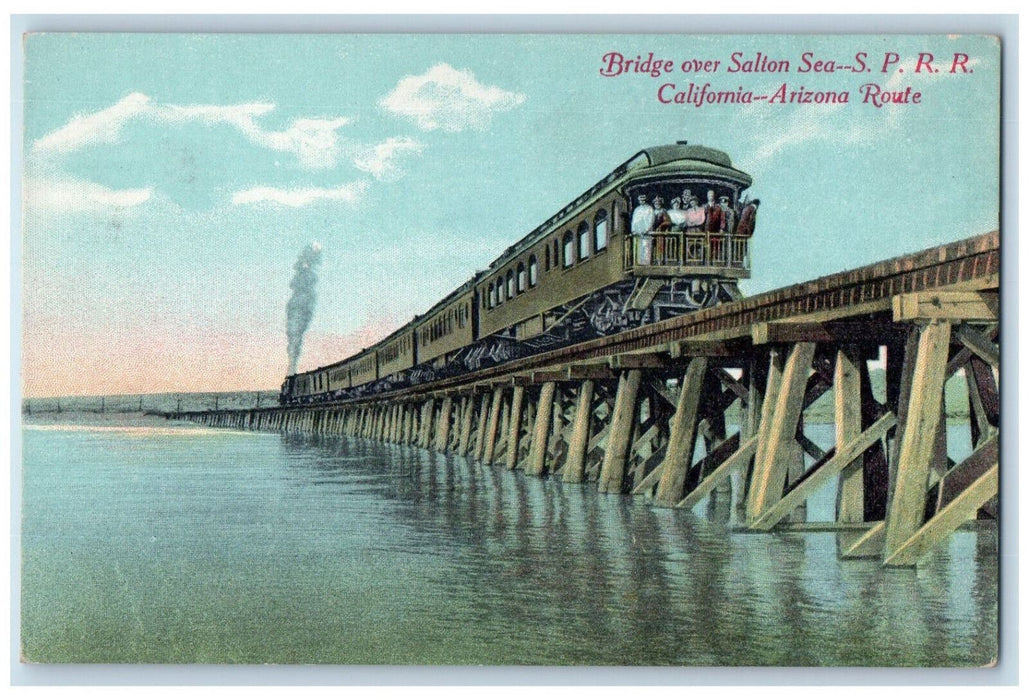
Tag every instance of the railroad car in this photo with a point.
(629, 251)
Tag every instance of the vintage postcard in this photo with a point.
(511, 349)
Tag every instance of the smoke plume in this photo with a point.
(300, 307)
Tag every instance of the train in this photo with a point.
(614, 258)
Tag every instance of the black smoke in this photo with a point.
(300, 307)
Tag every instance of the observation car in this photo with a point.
(629, 251)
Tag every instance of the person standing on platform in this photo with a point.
(748, 219)
(642, 224)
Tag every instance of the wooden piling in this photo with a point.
(622, 423)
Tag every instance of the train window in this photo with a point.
(510, 284)
(584, 240)
(521, 277)
(492, 295)
(600, 231)
(534, 271)
(569, 249)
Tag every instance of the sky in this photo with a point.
(170, 181)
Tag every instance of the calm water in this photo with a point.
(177, 544)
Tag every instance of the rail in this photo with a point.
(687, 250)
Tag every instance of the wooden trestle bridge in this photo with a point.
(668, 411)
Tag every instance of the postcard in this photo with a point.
(673, 350)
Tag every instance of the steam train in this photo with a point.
(611, 260)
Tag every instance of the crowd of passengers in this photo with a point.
(687, 214)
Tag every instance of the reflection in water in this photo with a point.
(600, 579)
(347, 551)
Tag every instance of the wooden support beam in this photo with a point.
(837, 332)
(983, 399)
(850, 491)
(946, 306)
(739, 459)
(573, 471)
(820, 473)
(443, 425)
(976, 481)
(514, 433)
(649, 481)
(491, 429)
(503, 429)
(644, 360)
(591, 371)
(428, 418)
(962, 476)
(700, 348)
(467, 404)
(612, 472)
(808, 446)
(543, 376)
(777, 439)
(917, 443)
(657, 386)
(729, 382)
(480, 430)
(541, 431)
(683, 429)
(978, 343)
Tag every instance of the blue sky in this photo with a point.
(171, 180)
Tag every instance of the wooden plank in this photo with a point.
(770, 473)
(917, 444)
(491, 428)
(739, 459)
(978, 343)
(946, 305)
(622, 422)
(514, 433)
(580, 433)
(819, 474)
(962, 508)
(541, 432)
(683, 435)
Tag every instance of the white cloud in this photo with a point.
(448, 99)
(42, 195)
(314, 142)
(379, 160)
(301, 197)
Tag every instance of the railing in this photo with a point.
(687, 250)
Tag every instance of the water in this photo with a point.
(166, 543)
